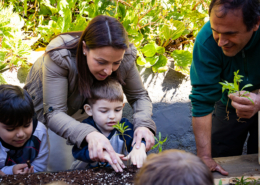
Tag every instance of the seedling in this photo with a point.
(234, 87)
(159, 143)
(122, 129)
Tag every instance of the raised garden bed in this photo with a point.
(91, 176)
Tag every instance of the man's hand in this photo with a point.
(139, 134)
(213, 166)
(22, 169)
(137, 156)
(244, 107)
(97, 142)
(118, 166)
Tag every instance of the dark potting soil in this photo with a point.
(91, 176)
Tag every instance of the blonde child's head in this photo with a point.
(174, 167)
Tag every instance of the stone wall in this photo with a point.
(169, 93)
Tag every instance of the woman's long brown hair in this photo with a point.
(101, 31)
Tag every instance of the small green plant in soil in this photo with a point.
(159, 143)
(234, 87)
(122, 129)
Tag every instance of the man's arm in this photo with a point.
(202, 131)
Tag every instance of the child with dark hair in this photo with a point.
(23, 139)
(174, 167)
(105, 109)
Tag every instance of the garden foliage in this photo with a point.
(158, 28)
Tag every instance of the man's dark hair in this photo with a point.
(16, 106)
(250, 10)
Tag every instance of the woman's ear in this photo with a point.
(88, 109)
(123, 105)
(84, 48)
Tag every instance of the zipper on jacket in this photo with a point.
(245, 64)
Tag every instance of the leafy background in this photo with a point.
(160, 29)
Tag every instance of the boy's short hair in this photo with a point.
(16, 106)
(174, 167)
(109, 89)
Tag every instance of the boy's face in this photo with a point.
(16, 136)
(105, 114)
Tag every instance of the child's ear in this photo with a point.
(88, 109)
(123, 105)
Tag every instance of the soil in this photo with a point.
(96, 176)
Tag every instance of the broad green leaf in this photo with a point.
(160, 63)
(137, 40)
(141, 61)
(80, 24)
(160, 49)
(149, 50)
(173, 29)
(72, 3)
(151, 61)
(2, 80)
(162, 69)
(182, 60)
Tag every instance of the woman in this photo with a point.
(59, 82)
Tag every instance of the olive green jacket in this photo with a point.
(52, 84)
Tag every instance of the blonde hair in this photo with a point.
(174, 167)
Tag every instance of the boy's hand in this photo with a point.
(2, 173)
(119, 165)
(22, 169)
(137, 156)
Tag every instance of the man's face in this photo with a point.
(229, 31)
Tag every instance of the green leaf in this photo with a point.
(160, 136)
(160, 63)
(149, 50)
(220, 182)
(173, 29)
(160, 49)
(2, 80)
(137, 40)
(141, 61)
(121, 9)
(182, 60)
(155, 145)
(246, 86)
(151, 61)
(2, 56)
(25, 7)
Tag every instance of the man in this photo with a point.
(230, 41)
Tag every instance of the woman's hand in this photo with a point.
(97, 143)
(118, 166)
(22, 169)
(137, 156)
(140, 133)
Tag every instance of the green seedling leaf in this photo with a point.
(247, 85)
(250, 100)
